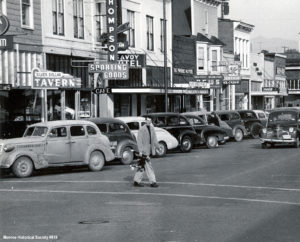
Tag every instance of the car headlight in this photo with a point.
(8, 148)
(291, 129)
(264, 130)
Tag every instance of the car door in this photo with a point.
(79, 142)
(197, 123)
(226, 118)
(58, 146)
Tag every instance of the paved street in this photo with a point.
(238, 192)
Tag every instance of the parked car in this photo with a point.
(283, 128)
(178, 126)
(56, 143)
(122, 141)
(212, 119)
(262, 116)
(210, 135)
(252, 123)
(164, 138)
(233, 119)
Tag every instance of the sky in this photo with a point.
(272, 18)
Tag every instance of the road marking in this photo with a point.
(153, 194)
(172, 183)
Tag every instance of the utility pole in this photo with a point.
(165, 56)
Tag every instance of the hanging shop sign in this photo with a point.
(270, 89)
(4, 24)
(183, 71)
(111, 71)
(111, 13)
(214, 81)
(106, 90)
(133, 60)
(53, 80)
(6, 42)
(233, 74)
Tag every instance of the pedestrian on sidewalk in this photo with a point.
(147, 145)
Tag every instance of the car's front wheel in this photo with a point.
(161, 152)
(22, 167)
(211, 142)
(127, 155)
(255, 130)
(238, 135)
(186, 144)
(96, 161)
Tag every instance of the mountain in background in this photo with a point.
(272, 44)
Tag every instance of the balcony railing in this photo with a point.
(293, 84)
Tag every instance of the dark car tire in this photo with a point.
(127, 155)
(297, 143)
(96, 161)
(264, 146)
(163, 149)
(255, 130)
(211, 142)
(22, 167)
(186, 144)
(238, 135)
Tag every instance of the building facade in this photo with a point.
(268, 80)
(18, 101)
(197, 52)
(236, 36)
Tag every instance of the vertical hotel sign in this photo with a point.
(111, 13)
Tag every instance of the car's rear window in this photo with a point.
(102, 127)
(247, 115)
(261, 115)
(133, 125)
(116, 128)
(235, 116)
(77, 131)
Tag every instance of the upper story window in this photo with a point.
(202, 58)
(150, 34)
(58, 17)
(27, 13)
(3, 7)
(131, 32)
(162, 36)
(214, 60)
(100, 20)
(78, 19)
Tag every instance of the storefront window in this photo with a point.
(70, 104)
(206, 102)
(54, 105)
(85, 105)
(122, 105)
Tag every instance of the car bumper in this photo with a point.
(292, 140)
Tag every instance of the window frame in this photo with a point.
(198, 60)
(77, 18)
(57, 32)
(82, 126)
(91, 127)
(131, 31)
(31, 16)
(162, 35)
(100, 19)
(150, 32)
(51, 137)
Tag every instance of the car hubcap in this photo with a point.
(161, 149)
(238, 135)
(23, 167)
(96, 161)
(127, 155)
(186, 144)
(212, 141)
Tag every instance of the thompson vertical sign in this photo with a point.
(111, 13)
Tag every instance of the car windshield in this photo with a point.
(283, 116)
(36, 131)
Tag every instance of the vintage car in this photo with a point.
(212, 119)
(283, 127)
(252, 123)
(262, 116)
(56, 144)
(164, 138)
(122, 141)
(210, 135)
(178, 126)
(233, 119)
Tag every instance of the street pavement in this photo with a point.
(237, 192)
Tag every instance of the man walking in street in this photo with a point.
(147, 144)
